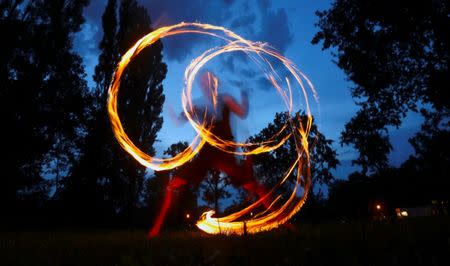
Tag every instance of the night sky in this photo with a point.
(289, 26)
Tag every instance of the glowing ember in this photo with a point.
(278, 212)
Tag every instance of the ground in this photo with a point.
(424, 241)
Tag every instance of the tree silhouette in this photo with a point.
(214, 188)
(110, 179)
(271, 166)
(432, 157)
(43, 97)
(397, 55)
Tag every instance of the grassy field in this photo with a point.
(409, 242)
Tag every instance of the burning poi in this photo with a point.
(277, 211)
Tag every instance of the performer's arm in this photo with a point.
(240, 110)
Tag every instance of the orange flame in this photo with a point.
(276, 214)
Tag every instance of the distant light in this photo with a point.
(251, 214)
(378, 207)
(188, 216)
(404, 213)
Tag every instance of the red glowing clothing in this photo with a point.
(210, 157)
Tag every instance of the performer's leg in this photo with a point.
(175, 183)
(255, 188)
(243, 176)
(252, 185)
(193, 172)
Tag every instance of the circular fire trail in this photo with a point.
(280, 210)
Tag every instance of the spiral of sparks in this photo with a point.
(278, 212)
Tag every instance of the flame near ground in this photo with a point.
(278, 212)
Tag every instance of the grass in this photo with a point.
(424, 241)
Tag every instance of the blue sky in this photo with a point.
(287, 26)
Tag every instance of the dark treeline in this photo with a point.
(61, 165)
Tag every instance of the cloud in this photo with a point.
(243, 21)
(249, 72)
(169, 12)
(275, 29)
(229, 64)
(174, 11)
(94, 10)
(263, 5)
(259, 21)
(228, 2)
(266, 25)
(85, 43)
(87, 40)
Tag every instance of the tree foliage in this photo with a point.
(397, 55)
(43, 96)
(272, 166)
(107, 175)
(214, 188)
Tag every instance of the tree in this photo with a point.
(432, 158)
(397, 54)
(110, 178)
(43, 97)
(108, 45)
(215, 188)
(271, 166)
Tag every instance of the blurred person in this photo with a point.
(210, 157)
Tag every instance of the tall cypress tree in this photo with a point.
(108, 46)
(112, 178)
